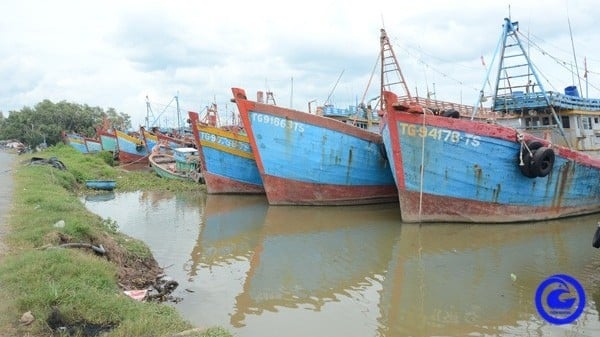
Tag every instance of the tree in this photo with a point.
(47, 120)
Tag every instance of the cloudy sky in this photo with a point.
(117, 53)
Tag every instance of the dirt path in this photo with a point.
(7, 161)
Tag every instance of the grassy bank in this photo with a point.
(76, 287)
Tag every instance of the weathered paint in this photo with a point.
(131, 149)
(226, 159)
(306, 159)
(76, 141)
(93, 145)
(470, 173)
(293, 192)
(108, 141)
(150, 139)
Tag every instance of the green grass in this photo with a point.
(94, 166)
(37, 275)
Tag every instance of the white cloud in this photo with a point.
(114, 53)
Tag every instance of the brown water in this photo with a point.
(262, 270)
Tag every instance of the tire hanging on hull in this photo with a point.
(537, 161)
(596, 239)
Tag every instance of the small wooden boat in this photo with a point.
(180, 163)
(106, 185)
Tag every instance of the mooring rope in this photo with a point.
(422, 170)
(135, 161)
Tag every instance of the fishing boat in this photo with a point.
(181, 163)
(174, 138)
(92, 145)
(107, 137)
(150, 139)
(108, 140)
(305, 159)
(105, 185)
(82, 143)
(227, 161)
(362, 116)
(75, 140)
(154, 136)
(465, 170)
(132, 148)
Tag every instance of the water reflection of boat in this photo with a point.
(355, 271)
(456, 280)
(99, 197)
(308, 256)
(229, 231)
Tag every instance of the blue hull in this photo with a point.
(472, 172)
(231, 166)
(75, 141)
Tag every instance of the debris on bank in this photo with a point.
(160, 291)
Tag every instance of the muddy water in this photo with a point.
(355, 271)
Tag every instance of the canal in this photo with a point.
(261, 270)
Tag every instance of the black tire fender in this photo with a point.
(596, 240)
(542, 161)
(526, 169)
(452, 113)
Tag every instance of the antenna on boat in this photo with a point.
(148, 113)
(334, 86)
(178, 112)
(573, 48)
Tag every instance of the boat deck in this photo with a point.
(518, 101)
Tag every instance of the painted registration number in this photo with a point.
(440, 134)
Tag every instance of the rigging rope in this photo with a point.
(566, 65)
(427, 65)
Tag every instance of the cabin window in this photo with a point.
(595, 120)
(361, 125)
(587, 123)
(565, 122)
(546, 121)
(532, 122)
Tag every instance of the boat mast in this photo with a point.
(513, 67)
(391, 74)
(178, 113)
(148, 112)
